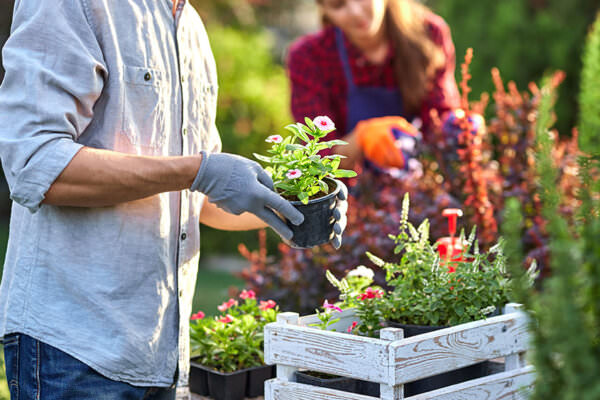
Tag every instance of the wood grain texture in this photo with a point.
(459, 346)
(513, 385)
(331, 352)
(277, 390)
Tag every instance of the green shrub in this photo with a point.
(566, 312)
(589, 97)
(524, 39)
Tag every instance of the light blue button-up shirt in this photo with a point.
(110, 286)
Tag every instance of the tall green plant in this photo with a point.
(589, 97)
(565, 313)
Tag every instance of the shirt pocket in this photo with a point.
(145, 100)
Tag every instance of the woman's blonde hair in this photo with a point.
(416, 57)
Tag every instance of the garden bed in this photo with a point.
(392, 361)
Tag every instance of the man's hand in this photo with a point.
(237, 185)
(377, 139)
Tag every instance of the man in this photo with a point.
(108, 142)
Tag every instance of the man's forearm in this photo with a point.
(98, 178)
(217, 218)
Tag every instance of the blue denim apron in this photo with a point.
(365, 102)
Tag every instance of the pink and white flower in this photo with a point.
(247, 294)
(328, 306)
(370, 294)
(351, 327)
(293, 174)
(227, 305)
(274, 139)
(324, 123)
(227, 319)
(265, 305)
(198, 315)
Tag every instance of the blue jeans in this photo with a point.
(37, 371)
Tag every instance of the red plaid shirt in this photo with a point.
(319, 84)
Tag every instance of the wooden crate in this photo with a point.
(393, 361)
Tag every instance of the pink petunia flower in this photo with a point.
(226, 319)
(265, 305)
(324, 123)
(227, 305)
(274, 139)
(351, 327)
(293, 174)
(328, 306)
(370, 294)
(247, 294)
(198, 315)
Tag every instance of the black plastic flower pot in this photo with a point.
(227, 386)
(475, 371)
(198, 379)
(323, 380)
(368, 388)
(256, 380)
(317, 227)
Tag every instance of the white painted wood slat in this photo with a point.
(331, 352)
(459, 346)
(392, 361)
(513, 385)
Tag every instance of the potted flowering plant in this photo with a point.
(227, 350)
(306, 178)
(354, 288)
(430, 291)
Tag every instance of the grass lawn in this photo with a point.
(211, 290)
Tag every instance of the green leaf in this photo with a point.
(344, 173)
(301, 134)
(310, 124)
(285, 186)
(303, 197)
(324, 187)
(263, 158)
(292, 128)
(335, 163)
(293, 147)
(332, 143)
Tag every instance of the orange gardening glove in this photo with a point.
(377, 140)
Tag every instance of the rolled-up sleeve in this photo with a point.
(55, 73)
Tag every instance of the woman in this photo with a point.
(372, 59)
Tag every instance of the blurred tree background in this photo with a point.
(524, 39)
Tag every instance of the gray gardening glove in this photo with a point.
(237, 185)
(339, 213)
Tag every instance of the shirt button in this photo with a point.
(183, 236)
(181, 293)
(182, 79)
(185, 131)
(148, 76)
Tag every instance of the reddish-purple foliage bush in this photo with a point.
(477, 172)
